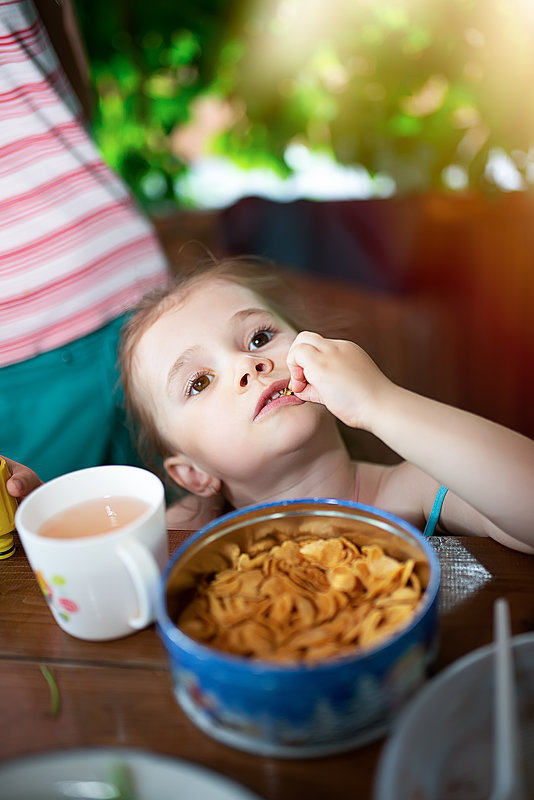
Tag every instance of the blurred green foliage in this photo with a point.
(403, 87)
(148, 61)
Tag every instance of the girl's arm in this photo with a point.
(487, 466)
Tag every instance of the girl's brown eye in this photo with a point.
(260, 339)
(200, 383)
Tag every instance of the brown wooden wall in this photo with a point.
(451, 314)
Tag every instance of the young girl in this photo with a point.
(206, 367)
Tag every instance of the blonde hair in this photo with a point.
(263, 278)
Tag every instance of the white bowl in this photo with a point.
(91, 772)
(441, 746)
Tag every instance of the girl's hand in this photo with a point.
(22, 481)
(338, 374)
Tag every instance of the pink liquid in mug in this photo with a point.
(93, 517)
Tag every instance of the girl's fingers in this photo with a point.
(305, 342)
(296, 378)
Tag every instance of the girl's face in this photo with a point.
(213, 369)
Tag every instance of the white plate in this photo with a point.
(88, 774)
(441, 747)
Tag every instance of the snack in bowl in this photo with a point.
(304, 599)
(310, 694)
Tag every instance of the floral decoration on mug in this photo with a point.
(61, 604)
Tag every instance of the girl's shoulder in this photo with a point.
(401, 489)
(375, 479)
(192, 512)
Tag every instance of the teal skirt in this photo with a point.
(64, 410)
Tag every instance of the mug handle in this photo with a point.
(145, 575)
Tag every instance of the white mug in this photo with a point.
(101, 586)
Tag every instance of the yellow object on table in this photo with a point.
(8, 506)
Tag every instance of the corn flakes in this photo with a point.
(303, 600)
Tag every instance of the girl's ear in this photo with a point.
(186, 474)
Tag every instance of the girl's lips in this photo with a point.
(271, 398)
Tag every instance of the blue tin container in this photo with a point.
(303, 710)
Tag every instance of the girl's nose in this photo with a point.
(251, 368)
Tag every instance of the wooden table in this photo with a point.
(119, 693)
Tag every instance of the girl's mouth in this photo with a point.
(277, 394)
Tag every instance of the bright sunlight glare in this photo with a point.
(374, 97)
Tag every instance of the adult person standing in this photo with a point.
(75, 253)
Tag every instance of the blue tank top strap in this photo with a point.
(432, 521)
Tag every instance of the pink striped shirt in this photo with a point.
(74, 250)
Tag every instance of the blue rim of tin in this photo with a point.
(168, 630)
